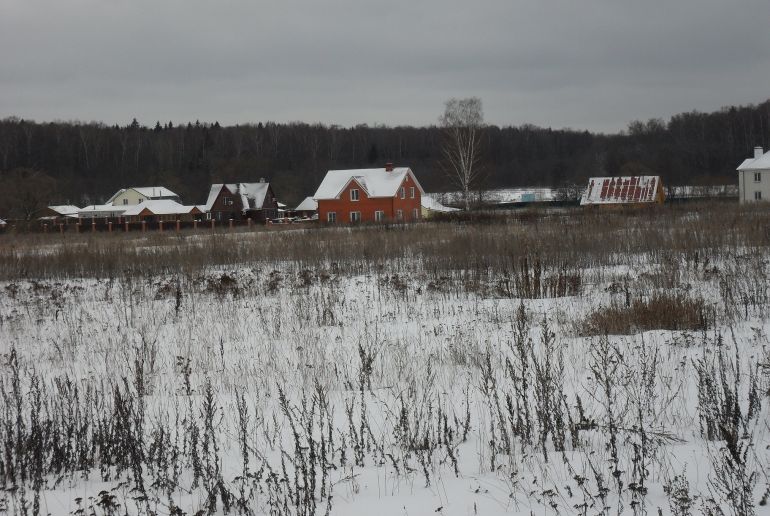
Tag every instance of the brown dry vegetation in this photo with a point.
(662, 311)
(559, 238)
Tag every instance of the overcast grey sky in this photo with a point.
(587, 64)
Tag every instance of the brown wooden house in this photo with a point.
(240, 201)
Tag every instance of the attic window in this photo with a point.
(227, 201)
(757, 177)
(354, 194)
(411, 192)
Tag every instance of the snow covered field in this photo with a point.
(406, 383)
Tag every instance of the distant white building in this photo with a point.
(754, 177)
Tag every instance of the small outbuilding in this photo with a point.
(161, 211)
(64, 210)
(623, 190)
(101, 211)
(431, 207)
(308, 208)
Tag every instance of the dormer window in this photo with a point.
(354, 194)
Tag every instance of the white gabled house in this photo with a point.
(754, 177)
(139, 194)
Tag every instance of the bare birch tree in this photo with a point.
(462, 121)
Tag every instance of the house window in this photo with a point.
(411, 192)
(403, 192)
(227, 201)
(757, 196)
(354, 194)
(125, 201)
(355, 216)
(415, 214)
(331, 217)
(757, 177)
(379, 216)
(399, 214)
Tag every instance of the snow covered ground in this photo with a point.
(401, 390)
(499, 196)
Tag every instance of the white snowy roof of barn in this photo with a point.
(377, 182)
(100, 208)
(429, 203)
(65, 209)
(760, 163)
(308, 204)
(158, 207)
(620, 190)
(252, 194)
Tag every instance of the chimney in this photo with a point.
(758, 152)
(388, 167)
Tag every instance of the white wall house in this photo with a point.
(136, 195)
(754, 177)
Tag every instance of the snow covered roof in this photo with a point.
(429, 203)
(252, 194)
(308, 204)
(159, 207)
(65, 210)
(760, 163)
(620, 190)
(2, 222)
(101, 210)
(151, 192)
(376, 182)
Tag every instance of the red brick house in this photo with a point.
(240, 201)
(369, 195)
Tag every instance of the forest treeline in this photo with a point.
(84, 163)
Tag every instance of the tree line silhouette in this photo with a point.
(85, 163)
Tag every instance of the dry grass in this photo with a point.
(572, 238)
(661, 311)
